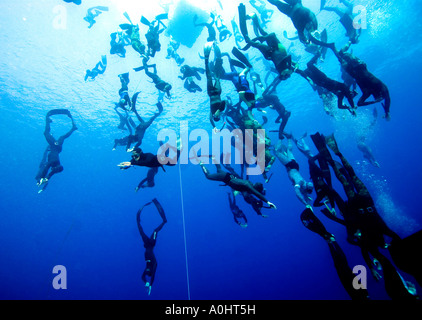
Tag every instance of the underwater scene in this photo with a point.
(210, 150)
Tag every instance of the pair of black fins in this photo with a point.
(144, 20)
(58, 111)
(135, 98)
(159, 209)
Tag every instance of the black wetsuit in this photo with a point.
(320, 79)
(303, 19)
(118, 47)
(51, 159)
(367, 82)
(149, 243)
(234, 182)
(149, 180)
(146, 160)
(238, 214)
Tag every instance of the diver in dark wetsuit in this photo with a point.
(51, 159)
(141, 159)
(303, 19)
(153, 34)
(319, 79)
(238, 214)
(125, 102)
(235, 183)
(217, 106)
(135, 38)
(92, 13)
(160, 84)
(187, 74)
(100, 68)
(367, 82)
(118, 42)
(148, 275)
(140, 129)
(172, 48)
(268, 44)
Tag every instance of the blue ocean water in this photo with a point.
(86, 219)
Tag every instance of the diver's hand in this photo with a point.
(124, 165)
(272, 205)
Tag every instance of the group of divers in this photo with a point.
(365, 228)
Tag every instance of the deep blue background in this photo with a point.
(85, 220)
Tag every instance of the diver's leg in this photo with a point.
(56, 169)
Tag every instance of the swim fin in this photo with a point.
(324, 38)
(320, 144)
(160, 209)
(332, 143)
(138, 69)
(242, 20)
(239, 55)
(58, 111)
(127, 17)
(101, 8)
(125, 26)
(162, 16)
(236, 63)
(134, 98)
(405, 254)
(125, 77)
(145, 21)
(207, 49)
(104, 60)
(257, 27)
(311, 222)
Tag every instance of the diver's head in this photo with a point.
(217, 115)
(136, 153)
(308, 187)
(285, 74)
(122, 101)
